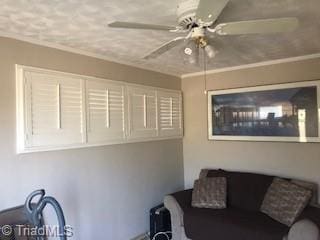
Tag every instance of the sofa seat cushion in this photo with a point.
(231, 224)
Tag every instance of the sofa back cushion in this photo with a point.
(244, 190)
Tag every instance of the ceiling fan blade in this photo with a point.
(140, 26)
(258, 26)
(209, 10)
(165, 47)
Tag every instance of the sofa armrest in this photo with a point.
(176, 212)
(304, 229)
(175, 204)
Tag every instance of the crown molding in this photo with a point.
(253, 65)
(82, 52)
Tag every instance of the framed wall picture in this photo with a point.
(283, 112)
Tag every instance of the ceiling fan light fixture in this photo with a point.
(188, 51)
(190, 48)
(210, 51)
(193, 60)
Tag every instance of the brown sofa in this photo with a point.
(242, 219)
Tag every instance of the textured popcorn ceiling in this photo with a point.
(82, 25)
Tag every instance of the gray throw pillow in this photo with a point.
(311, 186)
(210, 193)
(284, 201)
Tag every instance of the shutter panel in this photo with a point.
(105, 112)
(170, 113)
(54, 105)
(142, 113)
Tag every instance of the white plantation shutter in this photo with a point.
(54, 110)
(58, 110)
(170, 113)
(142, 112)
(106, 116)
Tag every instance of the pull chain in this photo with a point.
(205, 71)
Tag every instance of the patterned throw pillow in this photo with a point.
(210, 193)
(285, 201)
(311, 186)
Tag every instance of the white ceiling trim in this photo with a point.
(80, 52)
(253, 65)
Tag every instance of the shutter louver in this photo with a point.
(170, 119)
(54, 109)
(143, 113)
(105, 112)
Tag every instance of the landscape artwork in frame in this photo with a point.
(283, 112)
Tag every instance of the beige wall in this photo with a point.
(106, 192)
(301, 160)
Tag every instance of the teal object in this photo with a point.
(34, 211)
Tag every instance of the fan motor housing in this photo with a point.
(186, 12)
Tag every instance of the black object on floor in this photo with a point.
(159, 222)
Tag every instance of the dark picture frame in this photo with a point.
(282, 112)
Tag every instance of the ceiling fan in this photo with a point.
(198, 20)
